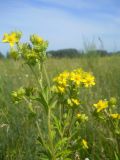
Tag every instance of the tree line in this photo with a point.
(71, 53)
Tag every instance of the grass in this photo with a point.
(17, 132)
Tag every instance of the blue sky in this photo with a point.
(64, 23)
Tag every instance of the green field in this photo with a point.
(106, 70)
(17, 129)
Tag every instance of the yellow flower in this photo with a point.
(80, 71)
(115, 116)
(35, 39)
(39, 40)
(62, 81)
(76, 78)
(61, 89)
(82, 117)
(62, 78)
(57, 89)
(71, 81)
(65, 75)
(88, 80)
(84, 144)
(11, 38)
(73, 102)
(102, 104)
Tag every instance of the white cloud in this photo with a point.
(60, 28)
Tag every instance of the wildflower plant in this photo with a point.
(106, 114)
(12, 38)
(56, 105)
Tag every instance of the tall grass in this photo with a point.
(18, 134)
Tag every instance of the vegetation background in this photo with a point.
(17, 133)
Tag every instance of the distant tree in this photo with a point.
(116, 53)
(64, 53)
(102, 52)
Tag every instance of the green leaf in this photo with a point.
(116, 156)
(61, 143)
(43, 101)
(57, 124)
(64, 153)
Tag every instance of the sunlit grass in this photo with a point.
(17, 134)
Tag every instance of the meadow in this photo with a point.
(58, 108)
(17, 126)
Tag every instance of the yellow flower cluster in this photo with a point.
(11, 38)
(115, 115)
(109, 105)
(84, 144)
(58, 89)
(88, 80)
(62, 79)
(67, 84)
(75, 78)
(82, 117)
(18, 95)
(32, 53)
(101, 105)
(73, 102)
(36, 40)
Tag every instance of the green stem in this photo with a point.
(42, 139)
(67, 128)
(35, 75)
(61, 118)
(112, 128)
(50, 136)
(46, 75)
